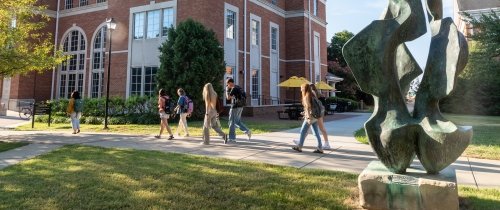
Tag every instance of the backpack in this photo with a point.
(318, 110)
(219, 106)
(190, 105)
(241, 101)
(78, 105)
(168, 105)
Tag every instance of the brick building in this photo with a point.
(265, 42)
(475, 9)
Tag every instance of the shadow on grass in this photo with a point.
(75, 177)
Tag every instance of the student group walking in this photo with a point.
(311, 101)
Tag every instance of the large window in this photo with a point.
(151, 24)
(68, 4)
(98, 53)
(315, 8)
(168, 20)
(255, 84)
(101, 1)
(230, 24)
(255, 32)
(139, 25)
(84, 2)
(153, 29)
(71, 71)
(143, 81)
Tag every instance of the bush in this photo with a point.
(43, 118)
(93, 120)
(60, 119)
(118, 120)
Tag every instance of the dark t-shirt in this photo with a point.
(236, 93)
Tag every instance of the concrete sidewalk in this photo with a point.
(11, 121)
(273, 148)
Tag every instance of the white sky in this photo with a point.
(354, 15)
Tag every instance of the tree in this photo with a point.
(190, 58)
(335, 48)
(478, 88)
(24, 46)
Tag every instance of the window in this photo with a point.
(230, 24)
(274, 38)
(315, 8)
(255, 32)
(274, 2)
(98, 63)
(139, 25)
(71, 72)
(153, 29)
(136, 81)
(255, 84)
(84, 3)
(101, 1)
(168, 20)
(150, 80)
(68, 4)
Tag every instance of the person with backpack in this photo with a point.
(238, 101)
(182, 110)
(211, 114)
(321, 122)
(313, 110)
(74, 110)
(165, 109)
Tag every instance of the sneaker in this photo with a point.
(318, 151)
(298, 149)
(171, 137)
(225, 138)
(249, 134)
(78, 131)
(157, 136)
(296, 142)
(326, 146)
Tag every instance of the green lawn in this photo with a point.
(81, 177)
(486, 138)
(195, 127)
(4, 146)
(484, 199)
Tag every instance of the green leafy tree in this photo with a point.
(478, 88)
(190, 58)
(335, 48)
(337, 65)
(24, 46)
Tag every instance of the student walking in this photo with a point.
(211, 114)
(309, 119)
(164, 110)
(238, 100)
(182, 111)
(321, 123)
(74, 110)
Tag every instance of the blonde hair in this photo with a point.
(307, 95)
(209, 95)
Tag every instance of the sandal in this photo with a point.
(298, 149)
(171, 137)
(157, 136)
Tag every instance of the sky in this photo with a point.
(354, 15)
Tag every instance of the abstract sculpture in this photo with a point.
(384, 67)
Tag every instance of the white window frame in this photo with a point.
(254, 17)
(277, 50)
(102, 64)
(157, 23)
(77, 72)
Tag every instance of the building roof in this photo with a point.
(466, 5)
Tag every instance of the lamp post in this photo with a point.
(111, 25)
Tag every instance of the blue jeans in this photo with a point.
(305, 129)
(235, 120)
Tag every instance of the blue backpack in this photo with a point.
(78, 105)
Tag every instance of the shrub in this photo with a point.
(43, 118)
(93, 120)
(60, 119)
(118, 120)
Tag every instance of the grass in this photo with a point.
(484, 199)
(82, 177)
(4, 146)
(195, 127)
(485, 141)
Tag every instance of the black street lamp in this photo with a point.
(111, 24)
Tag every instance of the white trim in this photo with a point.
(85, 9)
(91, 58)
(277, 27)
(265, 56)
(118, 51)
(269, 6)
(82, 32)
(317, 34)
(288, 14)
(151, 6)
(259, 19)
(236, 39)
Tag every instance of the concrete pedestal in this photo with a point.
(381, 189)
(3, 109)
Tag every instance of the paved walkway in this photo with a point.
(11, 121)
(274, 148)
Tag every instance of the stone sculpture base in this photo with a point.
(382, 189)
(3, 109)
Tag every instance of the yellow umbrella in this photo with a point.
(323, 86)
(293, 82)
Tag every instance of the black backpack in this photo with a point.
(168, 105)
(241, 101)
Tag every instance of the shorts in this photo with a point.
(163, 115)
